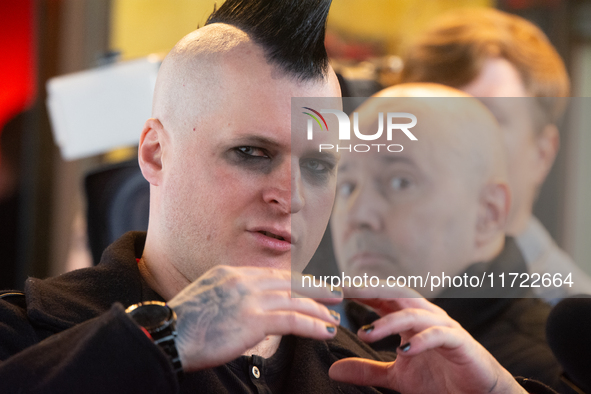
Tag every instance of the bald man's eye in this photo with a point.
(399, 183)
(345, 189)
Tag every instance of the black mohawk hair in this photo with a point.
(290, 31)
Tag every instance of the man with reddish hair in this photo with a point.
(511, 65)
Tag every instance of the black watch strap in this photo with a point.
(159, 321)
(168, 345)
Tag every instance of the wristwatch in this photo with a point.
(159, 320)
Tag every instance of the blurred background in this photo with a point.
(43, 209)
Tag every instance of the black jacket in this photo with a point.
(70, 334)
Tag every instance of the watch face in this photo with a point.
(151, 316)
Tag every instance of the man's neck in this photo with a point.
(490, 250)
(160, 276)
(159, 265)
(519, 222)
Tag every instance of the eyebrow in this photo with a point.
(254, 139)
(386, 159)
(327, 156)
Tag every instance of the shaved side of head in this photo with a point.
(288, 36)
(190, 75)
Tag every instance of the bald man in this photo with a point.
(234, 205)
(509, 63)
(439, 207)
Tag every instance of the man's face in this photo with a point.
(500, 84)
(238, 192)
(405, 213)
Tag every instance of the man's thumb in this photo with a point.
(361, 372)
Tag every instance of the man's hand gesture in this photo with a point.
(436, 354)
(229, 310)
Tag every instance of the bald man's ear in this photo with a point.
(547, 145)
(150, 151)
(495, 201)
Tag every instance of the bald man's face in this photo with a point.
(236, 191)
(406, 213)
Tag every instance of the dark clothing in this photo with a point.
(98, 349)
(70, 334)
(511, 329)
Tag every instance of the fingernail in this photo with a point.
(335, 315)
(337, 291)
(330, 329)
(405, 348)
(368, 328)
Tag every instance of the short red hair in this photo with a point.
(453, 50)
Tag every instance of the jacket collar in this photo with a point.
(69, 299)
(474, 307)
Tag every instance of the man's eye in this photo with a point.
(399, 183)
(251, 151)
(345, 189)
(316, 171)
(315, 166)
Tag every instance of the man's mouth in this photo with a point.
(273, 238)
(269, 234)
(273, 232)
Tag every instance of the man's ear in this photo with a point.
(150, 151)
(547, 145)
(495, 202)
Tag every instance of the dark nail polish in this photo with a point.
(335, 315)
(330, 329)
(368, 328)
(405, 348)
(337, 292)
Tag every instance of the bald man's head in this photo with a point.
(458, 123)
(437, 205)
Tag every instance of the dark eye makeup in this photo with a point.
(251, 152)
(316, 170)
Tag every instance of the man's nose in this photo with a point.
(283, 191)
(366, 208)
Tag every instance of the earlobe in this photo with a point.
(150, 151)
(495, 202)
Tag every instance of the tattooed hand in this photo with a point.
(231, 309)
(436, 354)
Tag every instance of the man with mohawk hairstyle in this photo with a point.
(234, 204)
